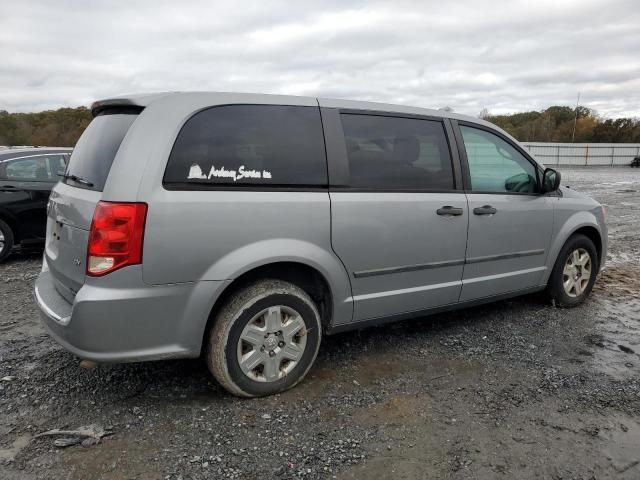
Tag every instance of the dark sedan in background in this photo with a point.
(27, 176)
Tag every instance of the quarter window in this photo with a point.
(495, 165)
(235, 145)
(394, 153)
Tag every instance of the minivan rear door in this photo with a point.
(74, 198)
(399, 216)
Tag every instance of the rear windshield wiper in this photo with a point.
(76, 179)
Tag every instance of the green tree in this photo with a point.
(54, 128)
(556, 124)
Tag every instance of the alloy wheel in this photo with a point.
(577, 272)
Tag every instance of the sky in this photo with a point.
(468, 55)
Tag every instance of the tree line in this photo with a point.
(567, 124)
(52, 128)
(63, 127)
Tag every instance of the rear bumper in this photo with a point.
(127, 320)
(53, 306)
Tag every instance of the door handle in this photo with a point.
(484, 210)
(448, 210)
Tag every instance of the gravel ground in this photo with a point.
(516, 389)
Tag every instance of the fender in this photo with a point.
(265, 252)
(562, 232)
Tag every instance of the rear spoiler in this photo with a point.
(131, 104)
(115, 105)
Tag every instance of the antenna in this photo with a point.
(575, 120)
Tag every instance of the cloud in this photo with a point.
(503, 56)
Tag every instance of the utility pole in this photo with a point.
(575, 120)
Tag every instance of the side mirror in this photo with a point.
(550, 180)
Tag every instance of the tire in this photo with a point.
(245, 335)
(6, 240)
(569, 288)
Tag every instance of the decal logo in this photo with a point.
(195, 172)
(77, 261)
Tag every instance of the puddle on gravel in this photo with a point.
(378, 368)
(622, 448)
(621, 259)
(615, 346)
(373, 368)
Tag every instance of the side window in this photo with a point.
(397, 153)
(271, 145)
(57, 165)
(496, 166)
(28, 169)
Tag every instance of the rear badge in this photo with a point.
(77, 261)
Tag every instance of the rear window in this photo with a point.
(239, 145)
(94, 153)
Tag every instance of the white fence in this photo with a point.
(583, 154)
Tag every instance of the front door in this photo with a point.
(510, 223)
(399, 225)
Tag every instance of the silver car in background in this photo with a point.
(245, 227)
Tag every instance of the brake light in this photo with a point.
(115, 238)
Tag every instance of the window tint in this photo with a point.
(397, 153)
(29, 169)
(495, 165)
(94, 153)
(237, 145)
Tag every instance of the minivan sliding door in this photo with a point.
(399, 222)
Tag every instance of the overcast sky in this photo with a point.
(504, 56)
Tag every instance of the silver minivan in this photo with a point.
(244, 227)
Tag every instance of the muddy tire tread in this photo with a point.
(231, 311)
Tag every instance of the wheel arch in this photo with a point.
(303, 274)
(584, 223)
(592, 234)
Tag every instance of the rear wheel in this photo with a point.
(6, 240)
(265, 339)
(574, 272)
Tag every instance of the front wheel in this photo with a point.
(574, 272)
(265, 339)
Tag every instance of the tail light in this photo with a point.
(115, 238)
